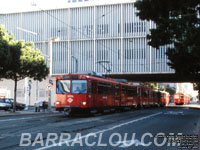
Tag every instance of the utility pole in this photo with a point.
(76, 60)
(50, 72)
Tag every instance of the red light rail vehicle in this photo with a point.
(86, 93)
(165, 98)
(181, 98)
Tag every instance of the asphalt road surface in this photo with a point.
(153, 129)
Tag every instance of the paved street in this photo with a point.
(111, 131)
(30, 111)
(191, 105)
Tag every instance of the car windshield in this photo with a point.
(63, 87)
(2, 100)
(79, 86)
(7, 100)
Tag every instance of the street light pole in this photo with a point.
(50, 72)
(49, 76)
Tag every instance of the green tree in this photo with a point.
(197, 88)
(6, 42)
(170, 90)
(28, 63)
(154, 86)
(19, 60)
(177, 24)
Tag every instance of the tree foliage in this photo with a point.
(19, 60)
(154, 86)
(29, 63)
(178, 25)
(6, 44)
(170, 90)
(197, 88)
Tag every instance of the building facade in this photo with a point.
(102, 36)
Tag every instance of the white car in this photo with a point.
(4, 105)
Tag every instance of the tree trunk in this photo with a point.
(15, 96)
(198, 95)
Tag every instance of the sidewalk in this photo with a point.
(192, 105)
(30, 111)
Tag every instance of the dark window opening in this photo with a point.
(104, 88)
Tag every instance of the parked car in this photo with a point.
(5, 105)
(19, 106)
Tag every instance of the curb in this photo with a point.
(188, 107)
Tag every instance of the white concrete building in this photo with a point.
(90, 32)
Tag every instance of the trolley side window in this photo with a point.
(104, 88)
(63, 87)
(132, 91)
(139, 92)
(123, 90)
(117, 90)
(145, 93)
(155, 94)
(79, 86)
(94, 88)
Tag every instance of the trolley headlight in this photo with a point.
(83, 103)
(57, 103)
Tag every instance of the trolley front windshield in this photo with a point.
(71, 86)
(79, 86)
(63, 86)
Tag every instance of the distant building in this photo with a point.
(186, 88)
(5, 92)
(74, 1)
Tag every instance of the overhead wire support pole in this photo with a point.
(50, 71)
(76, 62)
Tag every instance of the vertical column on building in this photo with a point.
(94, 38)
(44, 29)
(45, 36)
(122, 42)
(150, 51)
(68, 41)
(20, 34)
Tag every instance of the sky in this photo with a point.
(9, 6)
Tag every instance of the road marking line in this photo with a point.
(125, 144)
(24, 118)
(174, 113)
(101, 131)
